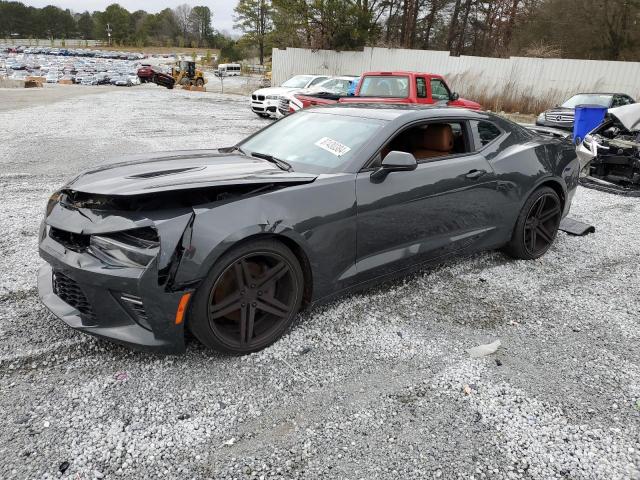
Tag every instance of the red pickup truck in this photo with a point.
(391, 87)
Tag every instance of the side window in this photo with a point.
(617, 101)
(429, 141)
(421, 87)
(439, 90)
(484, 133)
(318, 80)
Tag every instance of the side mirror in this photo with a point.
(395, 161)
(454, 96)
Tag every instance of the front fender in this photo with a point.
(198, 268)
(216, 230)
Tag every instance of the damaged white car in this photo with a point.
(610, 154)
(264, 102)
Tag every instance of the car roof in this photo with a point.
(401, 72)
(342, 77)
(394, 111)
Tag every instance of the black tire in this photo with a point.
(263, 115)
(537, 225)
(249, 299)
(199, 82)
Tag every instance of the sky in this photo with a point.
(222, 9)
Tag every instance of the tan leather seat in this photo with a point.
(437, 141)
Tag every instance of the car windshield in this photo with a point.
(385, 86)
(588, 99)
(299, 81)
(314, 142)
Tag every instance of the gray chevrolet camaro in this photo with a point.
(232, 243)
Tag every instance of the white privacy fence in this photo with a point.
(549, 78)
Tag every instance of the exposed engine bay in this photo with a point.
(610, 154)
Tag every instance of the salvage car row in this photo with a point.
(69, 69)
(71, 52)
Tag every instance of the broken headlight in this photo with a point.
(53, 200)
(132, 248)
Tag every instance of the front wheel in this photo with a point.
(199, 82)
(249, 299)
(537, 225)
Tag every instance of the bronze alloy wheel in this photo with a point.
(253, 299)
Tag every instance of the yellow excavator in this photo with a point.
(184, 72)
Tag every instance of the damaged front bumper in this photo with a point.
(134, 306)
(610, 164)
(610, 154)
(266, 106)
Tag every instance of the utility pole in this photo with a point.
(109, 30)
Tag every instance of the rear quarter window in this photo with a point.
(484, 133)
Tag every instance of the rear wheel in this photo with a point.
(537, 225)
(249, 298)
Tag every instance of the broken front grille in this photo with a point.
(70, 292)
(76, 242)
(283, 105)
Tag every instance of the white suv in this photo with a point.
(264, 102)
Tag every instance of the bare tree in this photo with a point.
(183, 16)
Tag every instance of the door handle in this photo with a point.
(473, 174)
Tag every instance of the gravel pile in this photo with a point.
(377, 385)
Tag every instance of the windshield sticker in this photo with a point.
(332, 146)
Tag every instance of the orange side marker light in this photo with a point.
(182, 308)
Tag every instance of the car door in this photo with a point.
(445, 205)
(440, 91)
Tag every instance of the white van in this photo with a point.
(228, 70)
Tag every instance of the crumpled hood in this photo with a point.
(274, 91)
(181, 170)
(627, 115)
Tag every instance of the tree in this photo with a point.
(55, 23)
(85, 25)
(119, 21)
(161, 28)
(331, 24)
(183, 15)
(200, 24)
(253, 17)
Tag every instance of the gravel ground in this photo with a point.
(378, 385)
